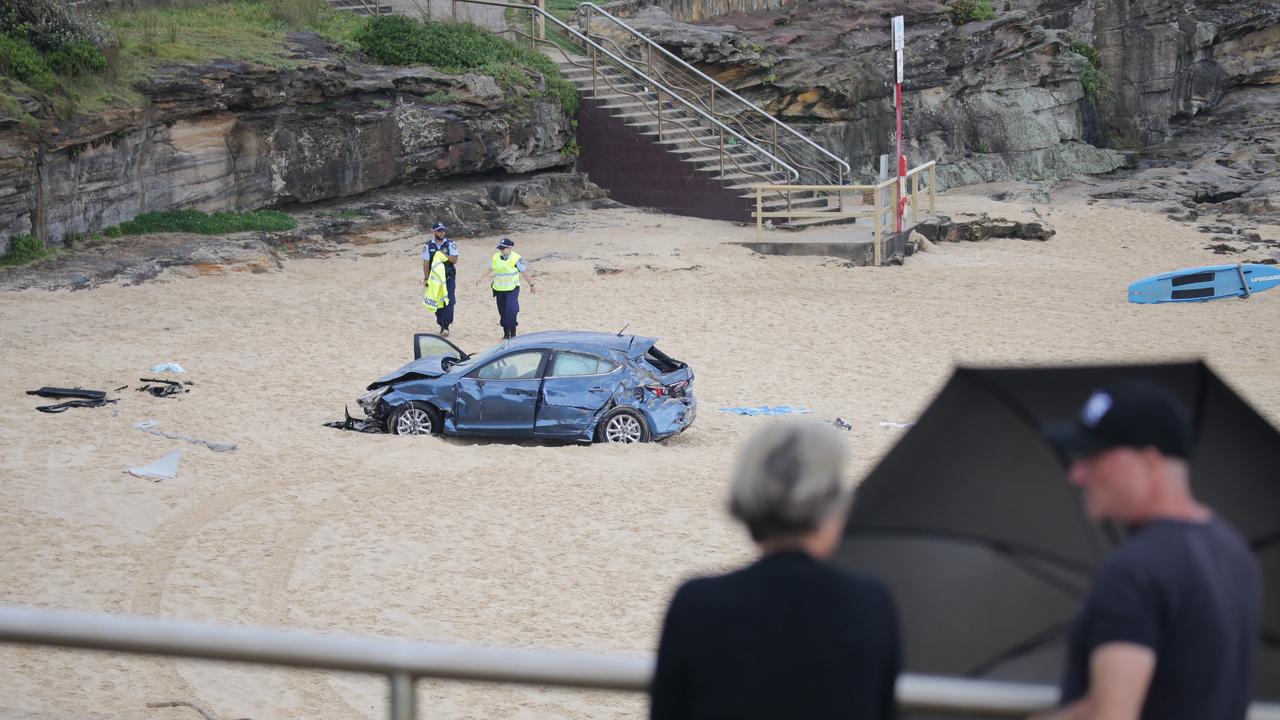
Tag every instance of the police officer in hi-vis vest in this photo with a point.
(506, 269)
(440, 243)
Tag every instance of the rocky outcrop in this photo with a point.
(240, 136)
(995, 100)
(695, 10)
(470, 207)
(972, 228)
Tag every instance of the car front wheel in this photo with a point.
(623, 425)
(414, 418)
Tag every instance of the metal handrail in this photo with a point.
(844, 166)
(405, 661)
(795, 174)
(740, 117)
(678, 122)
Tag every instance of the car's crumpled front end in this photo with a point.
(371, 403)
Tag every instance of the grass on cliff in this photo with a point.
(194, 221)
(1096, 84)
(83, 77)
(463, 47)
(965, 11)
(24, 249)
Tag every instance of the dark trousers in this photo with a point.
(444, 316)
(508, 308)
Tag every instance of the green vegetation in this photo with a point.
(1097, 86)
(563, 9)
(24, 249)
(194, 221)
(440, 98)
(249, 30)
(43, 46)
(964, 11)
(571, 149)
(70, 64)
(463, 47)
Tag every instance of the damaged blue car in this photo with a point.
(570, 386)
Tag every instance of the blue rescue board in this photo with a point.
(1211, 282)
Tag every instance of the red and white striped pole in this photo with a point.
(899, 45)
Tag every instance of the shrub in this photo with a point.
(23, 249)
(47, 24)
(77, 58)
(195, 221)
(20, 61)
(462, 47)
(1096, 85)
(299, 13)
(964, 11)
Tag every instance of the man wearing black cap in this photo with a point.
(1169, 628)
(440, 243)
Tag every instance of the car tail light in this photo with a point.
(673, 390)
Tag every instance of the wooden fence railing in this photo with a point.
(871, 202)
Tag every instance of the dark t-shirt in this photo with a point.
(1189, 591)
(787, 637)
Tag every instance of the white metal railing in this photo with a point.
(403, 662)
(595, 49)
(824, 167)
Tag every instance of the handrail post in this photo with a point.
(659, 114)
(933, 182)
(595, 71)
(875, 235)
(915, 193)
(722, 152)
(775, 148)
(759, 210)
(542, 21)
(648, 59)
(404, 700)
(713, 101)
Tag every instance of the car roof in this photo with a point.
(582, 340)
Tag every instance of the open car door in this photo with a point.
(430, 345)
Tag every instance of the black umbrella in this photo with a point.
(987, 548)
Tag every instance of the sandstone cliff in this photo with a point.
(240, 136)
(994, 100)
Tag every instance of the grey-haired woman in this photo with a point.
(788, 636)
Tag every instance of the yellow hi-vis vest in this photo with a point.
(505, 275)
(436, 295)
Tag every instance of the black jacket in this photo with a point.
(786, 637)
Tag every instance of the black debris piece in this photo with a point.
(64, 406)
(364, 425)
(57, 392)
(74, 397)
(164, 388)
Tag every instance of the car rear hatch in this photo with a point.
(674, 377)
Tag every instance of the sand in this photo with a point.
(479, 542)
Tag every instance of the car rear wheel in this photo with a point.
(623, 425)
(415, 418)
